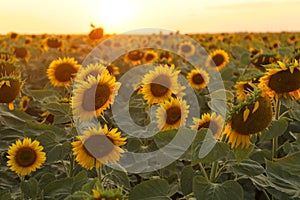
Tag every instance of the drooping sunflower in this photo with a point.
(150, 56)
(61, 71)
(10, 87)
(95, 95)
(159, 84)
(214, 122)
(260, 60)
(242, 88)
(198, 78)
(24, 103)
(134, 57)
(172, 114)
(90, 70)
(186, 49)
(251, 116)
(8, 67)
(282, 81)
(25, 156)
(98, 146)
(217, 59)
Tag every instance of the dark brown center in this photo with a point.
(285, 81)
(213, 126)
(217, 60)
(173, 115)
(198, 79)
(25, 157)
(160, 85)
(53, 43)
(98, 146)
(65, 72)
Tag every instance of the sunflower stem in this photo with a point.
(266, 195)
(22, 178)
(213, 171)
(71, 170)
(203, 171)
(275, 139)
(99, 174)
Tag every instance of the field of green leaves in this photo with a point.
(158, 116)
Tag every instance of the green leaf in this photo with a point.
(290, 163)
(204, 189)
(46, 179)
(242, 153)
(155, 189)
(120, 178)
(79, 180)
(59, 187)
(247, 167)
(245, 59)
(207, 149)
(80, 195)
(59, 152)
(5, 195)
(238, 51)
(89, 186)
(186, 180)
(277, 128)
(30, 188)
(259, 155)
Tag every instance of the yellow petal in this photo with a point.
(8, 83)
(246, 114)
(292, 69)
(256, 106)
(11, 106)
(296, 64)
(282, 65)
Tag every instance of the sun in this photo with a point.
(112, 14)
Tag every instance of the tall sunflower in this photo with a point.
(25, 156)
(283, 80)
(217, 59)
(61, 71)
(95, 95)
(214, 122)
(159, 84)
(98, 146)
(172, 114)
(198, 78)
(251, 116)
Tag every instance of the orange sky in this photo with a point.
(118, 16)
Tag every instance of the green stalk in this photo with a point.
(213, 171)
(203, 171)
(275, 139)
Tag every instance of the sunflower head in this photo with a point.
(61, 71)
(242, 88)
(250, 116)
(25, 156)
(10, 87)
(212, 121)
(218, 59)
(283, 80)
(98, 146)
(159, 84)
(24, 103)
(186, 49)
(22, 53)
(90, 70)
(260, 60)
(198, 78)
(150, 56)
(96, 33)
(92, 97)
(52, 42)
(8, 67)
(134, 57)
(172, 114)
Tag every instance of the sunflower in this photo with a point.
(244, 87)
(90, 70)
(95, 95)
(186, 49)
(98, 146)
(22, 53)
(172, 114)
(113, 69)
(251, 116)
(25, 156)
(218, 59)
(214, 122)
(13, 35)
(159, 84)
(107, 194)
(24, 103)
(292, 39)
(96, 33)
(10, 87)
(47, 117)
(198, 78)
(61, 71)
(6, 56)
(260, 60)
(52, 42)
(8, 67)
(150, 56)
(283, 80)
(134, 57)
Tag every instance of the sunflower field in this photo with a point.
(150, 116)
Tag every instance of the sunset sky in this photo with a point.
(119, 16)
